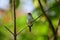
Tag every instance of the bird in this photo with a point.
(29, 21)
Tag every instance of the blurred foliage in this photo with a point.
(40, 28)
(16, 3)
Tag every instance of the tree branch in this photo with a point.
(7, 29)
(50, 23)
(13, 2)
(21, 30)
(37, 18)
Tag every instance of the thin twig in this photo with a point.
(21, 31)
(7, 29)
(49, 20)
(37, 18)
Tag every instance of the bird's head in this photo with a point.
(29, 14)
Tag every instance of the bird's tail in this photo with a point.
(29, 29)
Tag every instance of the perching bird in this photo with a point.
(29, 21)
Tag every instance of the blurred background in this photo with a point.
(40, 28)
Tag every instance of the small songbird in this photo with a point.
(29, 21)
